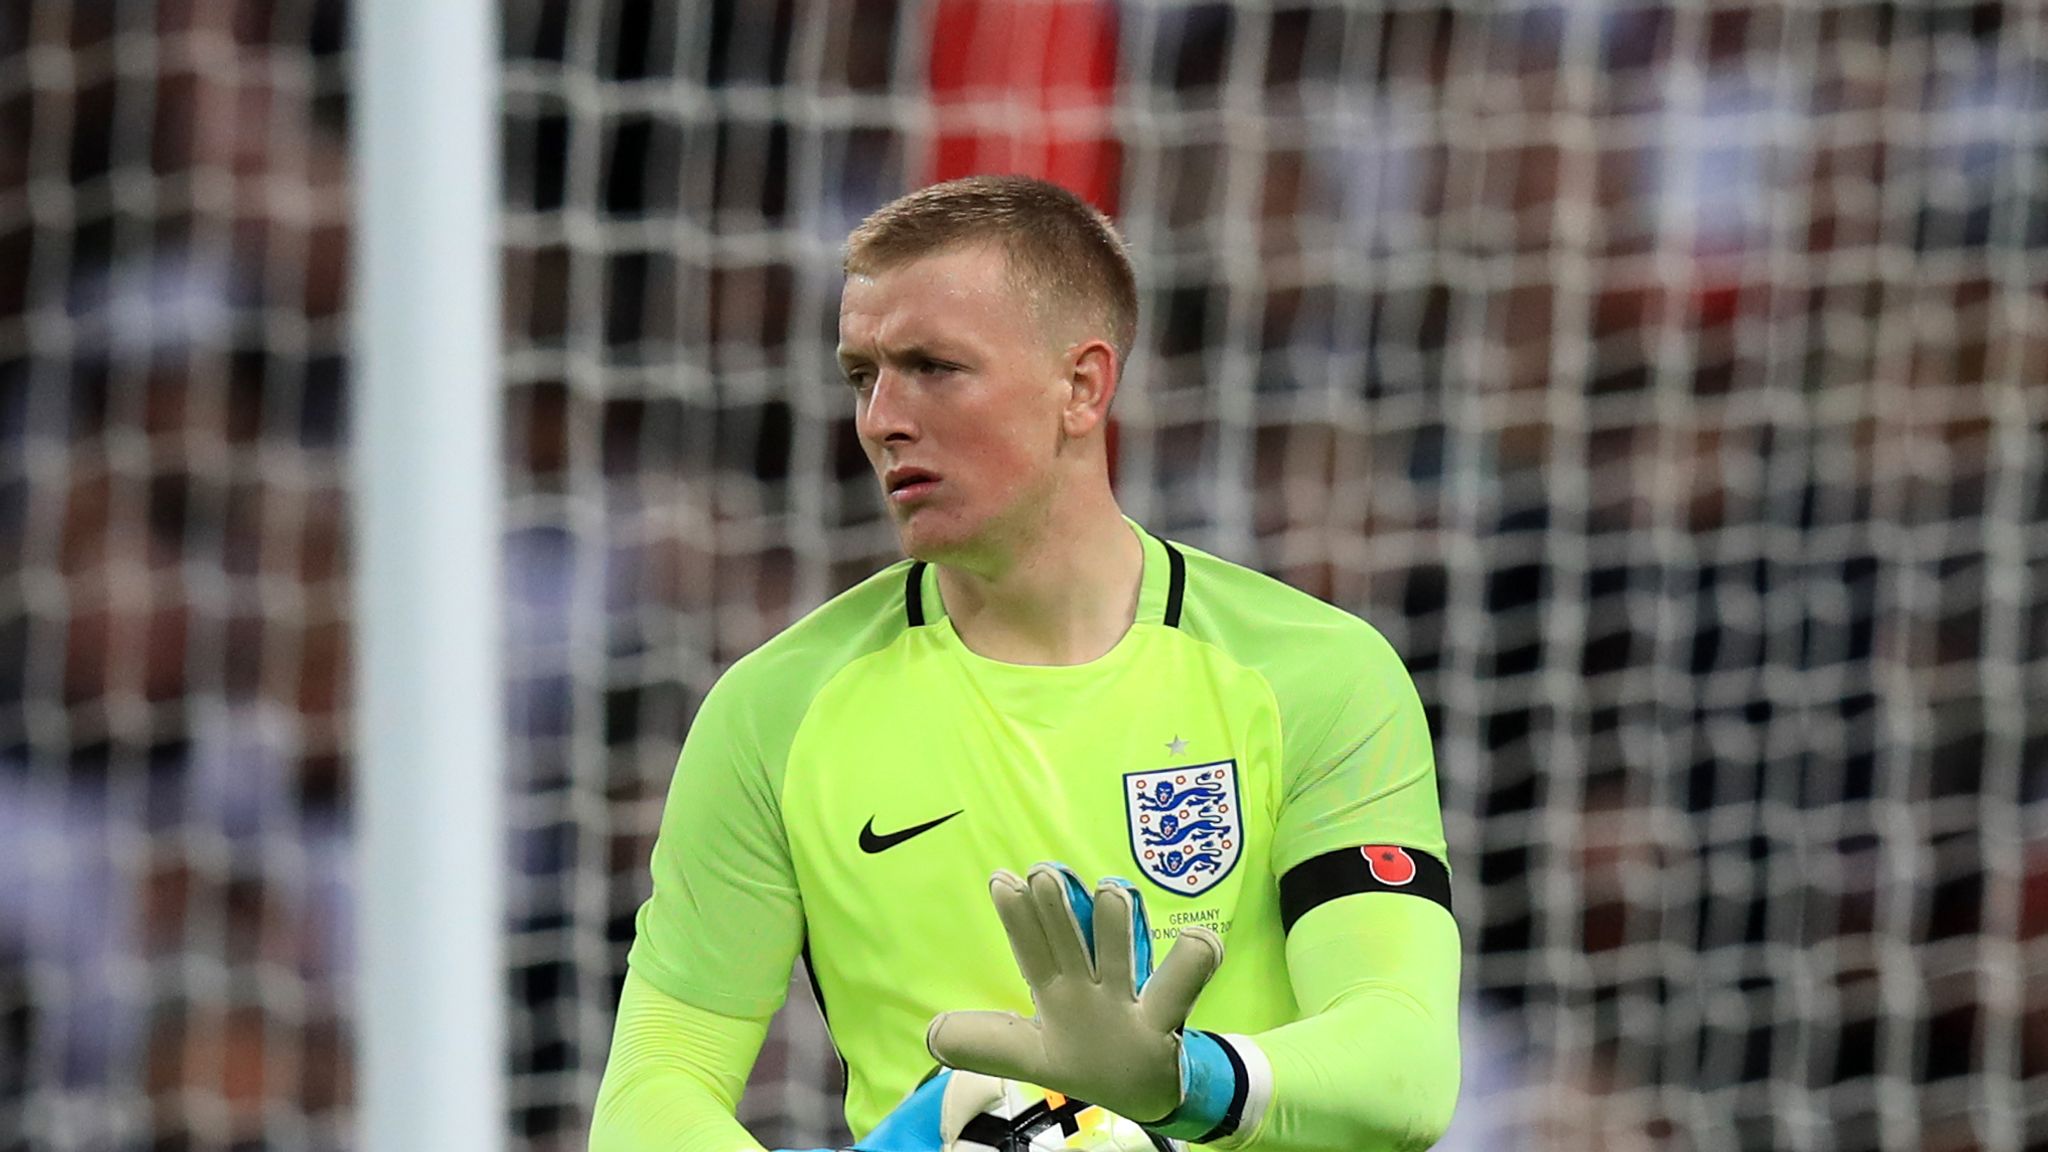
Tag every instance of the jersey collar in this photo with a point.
(1162, 585)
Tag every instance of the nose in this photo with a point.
(885, 413)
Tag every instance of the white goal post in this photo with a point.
(430, 741)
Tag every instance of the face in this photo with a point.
(964, 403)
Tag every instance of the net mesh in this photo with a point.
(173, 612)
(1665, 379)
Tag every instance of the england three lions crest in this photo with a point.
(1187, 828)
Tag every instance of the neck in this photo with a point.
(1065, 597)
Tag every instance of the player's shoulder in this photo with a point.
(1222, 592)
(804, 656)
(1266, 622)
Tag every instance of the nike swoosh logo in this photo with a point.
(871, 843)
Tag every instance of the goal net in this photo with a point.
(1668, 381)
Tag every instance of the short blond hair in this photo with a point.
(1063, 254)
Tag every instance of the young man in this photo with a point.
(1044, 680)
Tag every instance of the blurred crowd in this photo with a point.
(173, 601)
(1669, 381)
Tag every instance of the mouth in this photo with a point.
(905, 485)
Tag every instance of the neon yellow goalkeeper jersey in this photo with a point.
(847, 789)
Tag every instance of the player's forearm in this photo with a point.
(1372, 1066)
(1375, 1073)
(674, 1076)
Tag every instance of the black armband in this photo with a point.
(1371, 868)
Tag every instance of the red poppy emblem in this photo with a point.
(1389, 865)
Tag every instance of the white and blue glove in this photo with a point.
(1109, 1030)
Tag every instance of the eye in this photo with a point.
(936, 367)
(858, 379)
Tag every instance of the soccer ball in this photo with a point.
(985, 1114)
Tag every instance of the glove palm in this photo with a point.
(1103, 1031)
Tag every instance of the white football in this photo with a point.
(987, 1114)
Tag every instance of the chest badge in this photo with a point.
(1187, 827)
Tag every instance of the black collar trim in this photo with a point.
(913, 595)
(1176, 583)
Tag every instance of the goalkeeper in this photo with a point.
(1043, 680)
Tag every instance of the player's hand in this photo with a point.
(1108, 1029)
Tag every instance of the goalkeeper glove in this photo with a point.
(1108, 1030)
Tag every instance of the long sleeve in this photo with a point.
(724, 923)
(1373, 1064)
(674, 1077)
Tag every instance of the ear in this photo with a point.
(1092, 377)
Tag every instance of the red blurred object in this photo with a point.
(2034, 896)
(1024, 86)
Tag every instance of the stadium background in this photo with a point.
(1669, 382)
